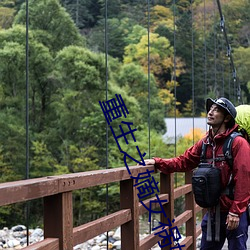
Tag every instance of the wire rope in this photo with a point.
(77, 13)
(27, 207)
(149, 121)
(236, 83)
(192, 73)
(222, 68)
(174, 77)
(106, 92)
(175, 87)
(205, 49)
(215, 52)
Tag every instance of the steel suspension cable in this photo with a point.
(229, 54)
(222, 68)
(192, 76)
(27, 207)
(77, 13)
(106, 92)
(174, 73)
(205, 49)
(175, 87)
(215, 52)
(149, 121)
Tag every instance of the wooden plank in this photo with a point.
(90, 230)
(98, 177)
(149, 241)
(188, 241)
(198, 208)
(143, 210)
(46, 244)
(182, 218)
(152, 239)
(24, 190)
(190, 205)
(129, 200)
(167, 187)
(58, 219)
(198, 231)
(182, 190)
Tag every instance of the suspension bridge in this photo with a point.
(56, 192)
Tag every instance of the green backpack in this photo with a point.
(243, 120)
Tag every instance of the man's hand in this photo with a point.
(232, 222)
(149, 162)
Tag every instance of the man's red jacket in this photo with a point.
(241, 167)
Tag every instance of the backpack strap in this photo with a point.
(227, 148)
(203, 152)
(227, 151)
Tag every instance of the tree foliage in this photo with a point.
(154, 57)
(53, 25)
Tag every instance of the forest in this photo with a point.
(163, 57)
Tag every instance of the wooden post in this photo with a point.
(190, 205)
(58, 219)
(167, 187)
(130, 230)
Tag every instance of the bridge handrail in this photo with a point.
(56, 192)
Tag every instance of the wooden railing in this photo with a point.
(56, 192)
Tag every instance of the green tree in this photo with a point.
(53, 25)
(13, 60)
(42, 163)
(118, 31)
(84, 13)
(80, 74)
(6, 17)
(241, 56)
(161, 57)
(135, 82)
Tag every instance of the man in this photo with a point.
(221, 115)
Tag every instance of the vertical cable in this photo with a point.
(148, 24)
(175, 92)
(223, 79)
(77, 13)
(106, 82)
(222, 69)
(237, 87)
(205, 51)
(229, 84)
(174, 77)
(149, 122)
(27, 207)
(215, 51)
(192, 28)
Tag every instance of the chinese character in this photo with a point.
(114, 109)
(127, 155)
(145, 187)
(173, 232)
(124, 134)
(153, 211)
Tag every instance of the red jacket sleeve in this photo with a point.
(185, 162)
(241, 175)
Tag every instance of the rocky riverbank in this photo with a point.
(16, 238)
